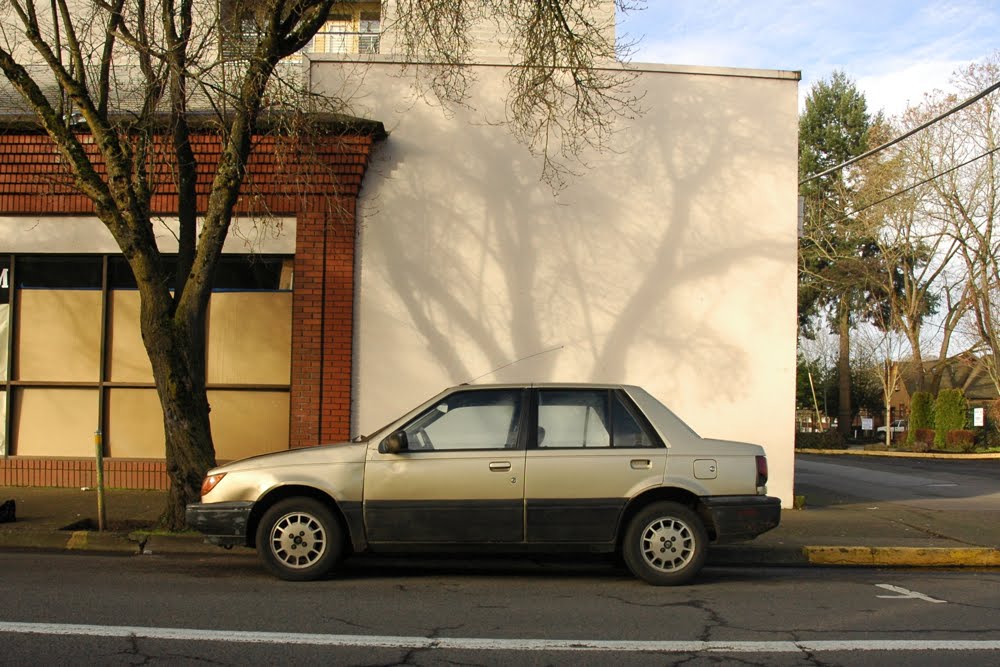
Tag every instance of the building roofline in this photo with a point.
(198, 121)
(653, 68)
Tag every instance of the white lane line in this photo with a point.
(906, 594)
(486, 644)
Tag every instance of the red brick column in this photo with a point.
(322, 325)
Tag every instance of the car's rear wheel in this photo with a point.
(299, 539)
(665, 544)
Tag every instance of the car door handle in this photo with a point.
(499, 466)
(641, 464)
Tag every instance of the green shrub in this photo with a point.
(921, 415)
(950, 410)
(989, 436)
(825, 440)
(961, 440)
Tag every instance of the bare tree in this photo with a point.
(123, 74)
(959, 155)
(915, 278)
(878, 351)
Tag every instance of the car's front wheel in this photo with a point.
(299, 539)
(665, 544)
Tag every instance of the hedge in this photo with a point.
(950, 410)
(824, 440)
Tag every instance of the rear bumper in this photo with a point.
(742, 517)
(224, 524)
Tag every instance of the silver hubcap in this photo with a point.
(667, 544)
(298, 540)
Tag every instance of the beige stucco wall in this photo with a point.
(490, 40)
(87, 234)
(668, 263)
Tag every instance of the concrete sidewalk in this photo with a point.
(825, 532)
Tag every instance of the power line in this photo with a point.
(972, 100)
(917, 185)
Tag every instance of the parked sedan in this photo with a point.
(897, 426)
(500, 468)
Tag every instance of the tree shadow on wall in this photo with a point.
(475, 257)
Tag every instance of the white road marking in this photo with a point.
(906, 594)
(487, 644)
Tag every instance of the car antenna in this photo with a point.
(516, 361)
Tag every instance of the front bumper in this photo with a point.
(224, 524)
(742, 517)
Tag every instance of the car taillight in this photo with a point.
(212, 480)
(761, 471)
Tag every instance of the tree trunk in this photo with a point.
(917, 364)
(844, 413)
(891, 377)
(175, 350)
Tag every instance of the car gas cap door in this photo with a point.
(705, 469)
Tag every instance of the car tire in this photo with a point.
(665, 544)
(299, 539)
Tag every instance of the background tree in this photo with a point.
(950, 413)
(913, 278)
(123, 73)
(921, 415)
(959, 155)
(816, 375)
(878, 350)
(835, 248)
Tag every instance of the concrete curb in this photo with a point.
(77, 540)
(728, 555)
(153, 544)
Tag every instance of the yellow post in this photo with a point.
(99, 448)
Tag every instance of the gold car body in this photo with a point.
(525, 492)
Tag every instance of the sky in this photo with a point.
(894, 50)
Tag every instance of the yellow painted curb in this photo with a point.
(901, 455)
(903, 556)
(78, 540)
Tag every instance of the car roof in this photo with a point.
(541, 385)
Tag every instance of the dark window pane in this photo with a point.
(247, 272)
(59, 272)
(233, 272)
(628, 431)
(120, 275)
(5, 279)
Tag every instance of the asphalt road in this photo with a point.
(930, 484)
(222, 609)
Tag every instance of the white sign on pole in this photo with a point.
(867, 423)
(977, 417)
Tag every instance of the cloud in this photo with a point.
(896, 50)
(893, 91)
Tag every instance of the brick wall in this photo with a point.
(318, 183)
(80, 473)
(280, 177)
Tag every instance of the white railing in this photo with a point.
(344, 42)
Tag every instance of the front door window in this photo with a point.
(468, 420)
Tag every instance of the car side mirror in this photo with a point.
(394, 443)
